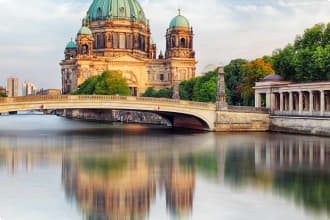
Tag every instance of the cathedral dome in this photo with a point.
(179, 21)
(85, 30)
(116, 10)
(71, 45)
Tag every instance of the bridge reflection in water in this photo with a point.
(123, 183)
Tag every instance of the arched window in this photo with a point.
(85, 49)
(173, 42)
(104, 41)
(99, 13)
(183, 43)
(122, 11)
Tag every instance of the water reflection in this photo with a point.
(126, 174)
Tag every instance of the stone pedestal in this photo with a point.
(176, 94)
(221, 91)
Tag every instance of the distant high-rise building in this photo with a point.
(29, 89)
(13, 87)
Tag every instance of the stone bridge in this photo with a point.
(180, 113)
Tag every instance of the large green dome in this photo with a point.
(179, 21)
(116, 9)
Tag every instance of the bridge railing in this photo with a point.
(100, 98)
(248, 109)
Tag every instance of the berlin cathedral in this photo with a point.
(115, 35)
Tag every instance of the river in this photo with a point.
(57, 168)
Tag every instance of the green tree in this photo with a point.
(233, 78)
(109, 83)
(307, 60)
(253, 72)
(162, 93)
(2, 95)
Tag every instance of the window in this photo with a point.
(161, 77)
(122, 11)
(85, 50)
(104, 41)
(99, 13)
(116, 40)
(122, 41)
(98, 40)
(183, 43)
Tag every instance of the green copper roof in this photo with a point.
(151, 41)
(71, 45)
(116, 10)
(179, 21)
(85, 30)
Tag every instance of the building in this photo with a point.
(29, 89)
(118, 37)
(13, 87)
(288, 98)
(3, 91)
(49, 92)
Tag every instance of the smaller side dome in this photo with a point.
(71, 45)
(85, 31)
(273, 77)
(179, 21)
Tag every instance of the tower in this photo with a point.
(179, 38)
(70, 50)
(85, 42)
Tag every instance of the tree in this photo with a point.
(109, 83)
(162, 93)
(2, 95)
(253, 72)
(233, 78)
(307, 60)
(200, 89)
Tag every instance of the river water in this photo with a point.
(56, 168)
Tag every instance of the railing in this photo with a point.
(301, 114)
(248, 109)
(102, 98)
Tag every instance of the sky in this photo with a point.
(33, 33)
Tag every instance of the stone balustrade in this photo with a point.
(100, 98)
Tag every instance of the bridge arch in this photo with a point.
(184, 114)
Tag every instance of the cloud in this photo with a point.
(33, 33)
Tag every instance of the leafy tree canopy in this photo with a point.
(109, 83)
(253, 72)
(200, 89)
(162, 93)
(308, 59)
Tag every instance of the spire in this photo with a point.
(179, 10)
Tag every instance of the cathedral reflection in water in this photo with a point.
(124, 184)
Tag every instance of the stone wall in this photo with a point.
(227, 120)
(113, 116)
(301, 125)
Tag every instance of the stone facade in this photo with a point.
(241, 121)
(301, 125)
(125, 44)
